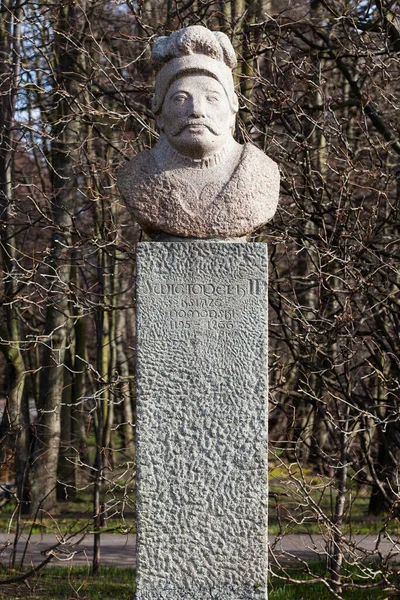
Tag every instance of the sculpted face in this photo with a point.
(196, 117)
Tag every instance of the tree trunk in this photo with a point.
(78, 390)
(12, 434)
(123, 369)
(64, 156)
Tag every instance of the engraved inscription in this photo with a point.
(199, 308)
(251, 286)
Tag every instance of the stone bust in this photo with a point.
(197, 181)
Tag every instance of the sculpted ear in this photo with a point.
(235, 102)
(233, 123)
(160, 122)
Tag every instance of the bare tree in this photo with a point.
(318, 83)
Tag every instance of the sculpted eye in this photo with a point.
(179, 98)
(213, 98)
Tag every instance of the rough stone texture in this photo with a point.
(218, 197)
(198, 181)
(202, 421)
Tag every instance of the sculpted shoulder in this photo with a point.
(140, 166)
(259, 163)
(253, 190)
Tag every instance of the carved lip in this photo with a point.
(192, 125)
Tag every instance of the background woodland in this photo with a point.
(318, 84)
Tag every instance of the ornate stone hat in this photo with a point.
(193, 49)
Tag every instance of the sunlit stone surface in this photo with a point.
(202, 420)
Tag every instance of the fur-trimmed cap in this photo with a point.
(193, 49)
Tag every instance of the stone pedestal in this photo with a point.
(202, 421)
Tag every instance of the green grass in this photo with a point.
(75, 583)
(368, 526)
(72, 516)
(68, 523)
(294, 517)
(302, 501)
(298, 500)
(281, 590)
(319, 592)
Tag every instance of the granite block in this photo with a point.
(201, 421)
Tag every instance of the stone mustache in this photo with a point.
(197, 181)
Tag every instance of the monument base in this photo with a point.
(201, 421)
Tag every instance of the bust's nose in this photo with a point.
(197, 107)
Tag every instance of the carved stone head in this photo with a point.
(194, 101)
